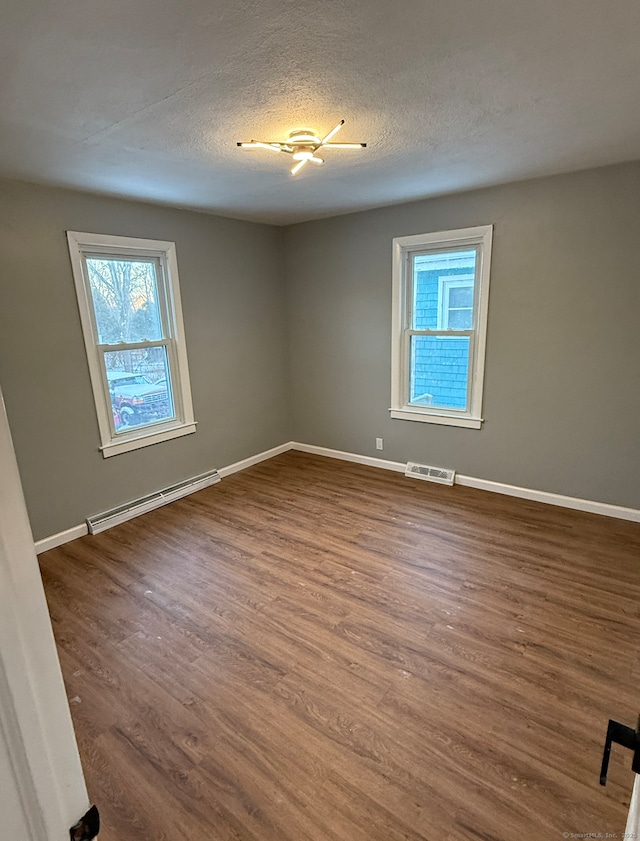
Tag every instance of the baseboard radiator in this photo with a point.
(103, 521)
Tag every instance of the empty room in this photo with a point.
(319, 429)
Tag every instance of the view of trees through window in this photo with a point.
(127, 311)
(125, 300)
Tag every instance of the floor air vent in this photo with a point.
(430, 474)
(147, 503)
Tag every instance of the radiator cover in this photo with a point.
(100, 522)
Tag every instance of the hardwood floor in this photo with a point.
(316, 650)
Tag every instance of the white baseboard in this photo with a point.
(549, 498)
(575, 502)
(603, 508)
(249, 462)
(61, 537)
(372, 461)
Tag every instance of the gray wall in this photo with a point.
(312, 361)
(562, 384)
(232, 296)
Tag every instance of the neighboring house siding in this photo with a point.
(452, 355)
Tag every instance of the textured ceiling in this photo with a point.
(147, 99)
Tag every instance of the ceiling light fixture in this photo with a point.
(302, 145)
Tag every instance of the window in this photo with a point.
(440, 297)
(455, 298)
(129, 302)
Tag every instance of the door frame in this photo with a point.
(35, 720)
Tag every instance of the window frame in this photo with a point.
(88, 245)
(479, 237)
(445, 285)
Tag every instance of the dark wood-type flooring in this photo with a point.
(319, 651)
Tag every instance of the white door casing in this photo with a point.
(43, 791)
(632, 830)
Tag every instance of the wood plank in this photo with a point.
(320, 650)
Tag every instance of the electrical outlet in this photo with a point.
(379, 444)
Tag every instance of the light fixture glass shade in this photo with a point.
(303, 136)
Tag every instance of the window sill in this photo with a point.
(433, 417)
(146, 439)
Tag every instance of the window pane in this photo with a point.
(460, 296)
(439, 371)
(460, 319)
(139, 386)
(125, 300)
(430, 289)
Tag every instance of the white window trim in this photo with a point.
(401, 409)
(113, 443)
